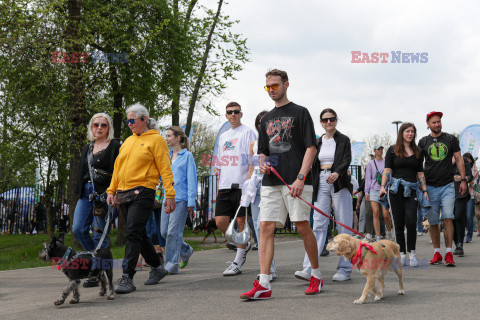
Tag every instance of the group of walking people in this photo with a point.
(126, 176)
(288, 169)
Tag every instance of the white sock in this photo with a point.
(265, 280)
(436, 250)
(239, 257)
(448, 250)
(316, 273)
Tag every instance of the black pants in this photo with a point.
(136, 215)
(404, 211)
(460, 219)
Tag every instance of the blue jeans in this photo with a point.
(442, 199)
(172, 225)
(343, 208)
(470, 218)
(153, 228)
(83, 219)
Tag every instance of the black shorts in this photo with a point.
(227, 203)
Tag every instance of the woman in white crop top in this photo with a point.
(334, 156)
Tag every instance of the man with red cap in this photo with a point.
(438, 149)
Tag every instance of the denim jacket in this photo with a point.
(407, 190)
(185, 177)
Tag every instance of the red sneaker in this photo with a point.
(257, 293)
(315, 286)
(449, 260)
(437, 258)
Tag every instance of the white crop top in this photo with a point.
(327, 151)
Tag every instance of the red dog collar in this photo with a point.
(358, 258)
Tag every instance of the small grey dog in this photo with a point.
(78, 266)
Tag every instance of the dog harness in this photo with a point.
(64, 259)
(357, 259)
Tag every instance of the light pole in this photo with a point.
(397, 123)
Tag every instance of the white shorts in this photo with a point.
(276, 203)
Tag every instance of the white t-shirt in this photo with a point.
(234, 156)
(327, 151)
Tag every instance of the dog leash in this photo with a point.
(107, 226)
(272, 169)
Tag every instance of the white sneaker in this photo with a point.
(378, 238)
(403, 258)
(232, 270)
(419, 234)
(390, 236)
(413, 259)
(340, 277)
(302, 275)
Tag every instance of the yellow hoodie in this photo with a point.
(141, 161)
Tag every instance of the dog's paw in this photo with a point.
(73, 301)
(377, 298)
(111, 297)
(358, 301)
(58, 302)
(401, 292)
(101, 293)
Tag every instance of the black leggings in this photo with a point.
(459, 222)
(404, 211)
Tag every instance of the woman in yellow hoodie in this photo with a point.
(143, 158)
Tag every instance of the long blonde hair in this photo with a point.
(178, 132)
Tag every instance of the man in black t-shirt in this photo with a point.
(438, 148)
(287, 138)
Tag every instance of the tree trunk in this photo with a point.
(77, 115)
(198, 83)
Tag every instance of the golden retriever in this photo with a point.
(372, 265)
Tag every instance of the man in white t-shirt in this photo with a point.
(234, 157)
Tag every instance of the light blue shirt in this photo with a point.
(185, 177)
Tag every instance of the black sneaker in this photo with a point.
(125, 285)
(156, 274)
(458, 251)
(255, 247)
(91, 282)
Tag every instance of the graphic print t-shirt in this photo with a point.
(234, 156)
(285, 134)
(438, 153)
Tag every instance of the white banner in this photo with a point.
(357, 153)
(470, 140)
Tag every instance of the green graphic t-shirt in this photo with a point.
(438, 153)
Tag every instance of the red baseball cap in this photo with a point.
(434, 113)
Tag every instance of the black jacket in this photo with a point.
(341, 163)
(107, 162)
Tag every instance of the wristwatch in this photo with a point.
(464, 179)
(301, 177)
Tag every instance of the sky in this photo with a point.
(313, 39)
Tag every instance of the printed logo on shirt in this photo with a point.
(230, 145)
(437, 151)
(279, 131)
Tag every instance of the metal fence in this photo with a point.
(23, 210)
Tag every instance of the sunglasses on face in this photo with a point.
(272, 87)
(101, 125)
(332, 119)
(233, 111)
(132, 121)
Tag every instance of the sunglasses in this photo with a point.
(325, 120)
(436, 142)
(132, 121)
(233, 111)
(272, 87)
(101, 125)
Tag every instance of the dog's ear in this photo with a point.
(344, 247)
(61, 238)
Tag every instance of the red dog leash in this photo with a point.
(315, 208)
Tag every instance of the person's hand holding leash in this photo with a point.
(382, 191)
(265, 167)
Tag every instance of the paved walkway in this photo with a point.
(201, 292)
